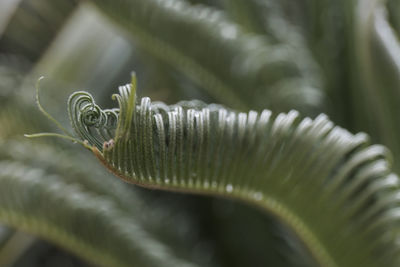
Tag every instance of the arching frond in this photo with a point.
(331, 187)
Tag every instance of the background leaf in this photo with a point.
(313, 56)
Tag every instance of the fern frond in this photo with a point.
(362, 73)
(237, 68)
(33, 26)
(333, 189)
(161, 224)
(377, 65)
(88, 224)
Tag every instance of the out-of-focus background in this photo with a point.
(339, 57)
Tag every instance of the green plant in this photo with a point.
(279, 163)
(327, 197)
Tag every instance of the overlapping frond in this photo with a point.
(238, 68)
(377, 57)
(78, 210)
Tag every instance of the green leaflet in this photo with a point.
(335, 191)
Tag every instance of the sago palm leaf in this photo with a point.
(237, 68)
(52, 209)
(377, 58)
(85, 223)
(50, 160)
(52, 164)
(357, 44)
(329, 186)
(33, 25)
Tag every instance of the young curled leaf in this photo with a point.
(334, 190)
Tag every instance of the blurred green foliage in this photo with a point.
(340, 57)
